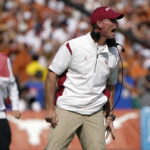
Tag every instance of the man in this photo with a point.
(86, 69)
(7, 86)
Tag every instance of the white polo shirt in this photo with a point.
(88, 68)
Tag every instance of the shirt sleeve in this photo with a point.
(62, 60)
(13, 89)
(112, 80)
(113, 76)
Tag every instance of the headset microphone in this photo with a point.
(112, 42)
(116, 44)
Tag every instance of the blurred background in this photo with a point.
(31, 32)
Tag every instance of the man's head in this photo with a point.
(102, 13)
(104, 19)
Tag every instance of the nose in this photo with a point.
(115, 25)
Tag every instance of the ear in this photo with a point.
(99, 24)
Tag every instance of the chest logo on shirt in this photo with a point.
(85, 58)
(106, 62)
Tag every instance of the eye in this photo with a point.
(113, 21)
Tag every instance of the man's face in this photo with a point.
(108, 28)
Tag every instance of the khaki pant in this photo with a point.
(89, 128)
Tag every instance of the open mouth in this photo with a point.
(113, 30)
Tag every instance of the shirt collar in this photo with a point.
(103, 49)
(94, 44)
(100, 49)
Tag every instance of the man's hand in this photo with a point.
(16, 114)
(109, 128)
(51, 117)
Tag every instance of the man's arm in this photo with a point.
(14, 97)
(13, 92)
(110, 103)
(50, 88)
(109, 110)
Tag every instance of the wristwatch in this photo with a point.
(112, 116)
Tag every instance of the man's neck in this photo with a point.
(97, 38)
(101, 41)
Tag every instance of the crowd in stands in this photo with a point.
(31, 32)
